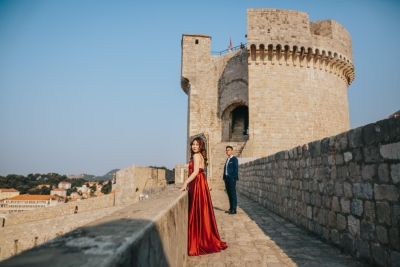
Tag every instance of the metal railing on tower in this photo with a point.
(226, 51)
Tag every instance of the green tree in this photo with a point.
(34, 191)
(157, 167)
(29, 183)
(106, 189)
(45, 190)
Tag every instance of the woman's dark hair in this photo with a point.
(202, 148)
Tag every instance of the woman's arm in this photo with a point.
(196, 162)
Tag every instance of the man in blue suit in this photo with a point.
(231, 169)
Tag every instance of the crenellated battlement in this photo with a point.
(314, 58)
(287, 37)
(293, 28)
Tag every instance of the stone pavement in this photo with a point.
(257, 237)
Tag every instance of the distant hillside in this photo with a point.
(91, 177)
(106, 176)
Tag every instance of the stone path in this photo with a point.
(257, 237)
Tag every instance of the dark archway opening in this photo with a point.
(240, 124)
(235, 124)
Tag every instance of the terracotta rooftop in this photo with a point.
(41, 185)
(65, 183)
(32, 197)
(8, 190)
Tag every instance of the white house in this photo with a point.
(64, 185)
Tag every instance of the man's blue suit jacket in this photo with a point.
(233, 168)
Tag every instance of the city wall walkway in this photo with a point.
(257, 237)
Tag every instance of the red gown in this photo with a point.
(203, 235)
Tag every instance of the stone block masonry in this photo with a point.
(132, 180)
(17, 238)
(150, 233)
(28, 229)
(181, 173)
(59, 210)
(345, 189)
(286, 88)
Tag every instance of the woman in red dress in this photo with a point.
(203, 236)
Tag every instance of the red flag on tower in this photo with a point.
(230, 44)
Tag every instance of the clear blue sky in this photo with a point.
(88, 86)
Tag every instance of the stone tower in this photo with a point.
(287, 88)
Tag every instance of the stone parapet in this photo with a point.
(293, 28)
(132, 180)
(60, 210)
(345, 189)
(24, 230)
(148, 233)
(181, 173)
(17, 238)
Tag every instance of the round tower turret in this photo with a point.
(286, 88)
(298, 78)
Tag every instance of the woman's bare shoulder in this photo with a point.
(196, 156)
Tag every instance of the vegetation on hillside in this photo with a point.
(106, 189)
(157, 167)
(107, 176)
(28, 184)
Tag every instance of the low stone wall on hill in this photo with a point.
(60, 210)
(345, 189)
(17, 238)
(28, 229)
(149, 233)
(181, 173)
(132, 180)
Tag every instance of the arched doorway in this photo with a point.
(235, 124)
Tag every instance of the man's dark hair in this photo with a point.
(229, 147)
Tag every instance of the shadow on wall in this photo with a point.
(122, 242)
(233, 99)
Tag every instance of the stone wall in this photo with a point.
(297, 91)
(293, 28)
(148, 233)
(132, 180)
(60, 210)
(129, 179)
(19, 237)
(345, 189)
(181, 173)
(27, 229)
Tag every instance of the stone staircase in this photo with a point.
(219, 159)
